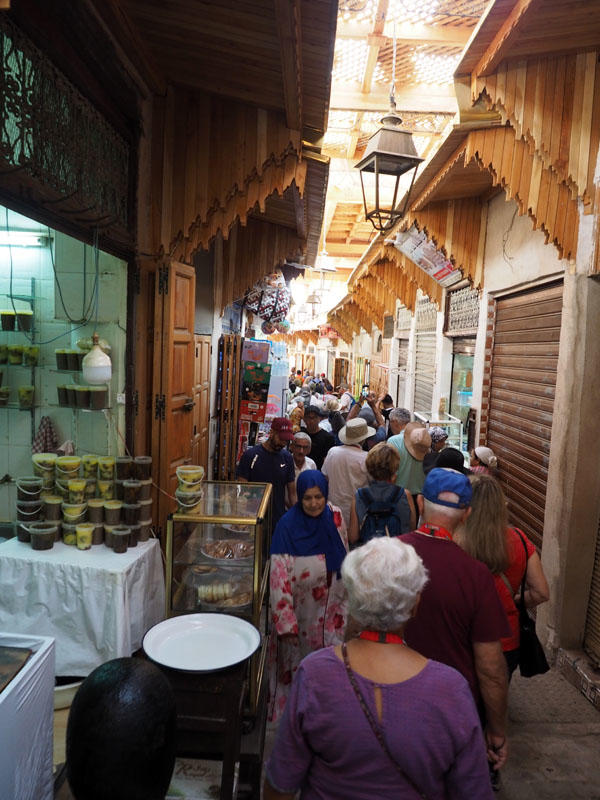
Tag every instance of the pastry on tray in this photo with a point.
(225, 594)
(228, 549)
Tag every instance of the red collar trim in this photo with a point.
(380, 637)
(436, 531)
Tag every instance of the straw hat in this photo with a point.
(417, 440)
(355, 431)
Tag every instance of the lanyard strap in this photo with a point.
(374, 727)
(436, 531)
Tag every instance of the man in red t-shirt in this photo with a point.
(460, 619)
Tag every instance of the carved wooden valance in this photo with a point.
(251, 252)
(224, 160)
(553, 104)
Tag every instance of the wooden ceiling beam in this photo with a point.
(502, 40)
(343, 250)
(287, 14)
(374, 45)
(409, 34)
(420, 98)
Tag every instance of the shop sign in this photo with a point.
(422, 252)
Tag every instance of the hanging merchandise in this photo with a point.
(283, 326)
(270, 299)
(268, 328)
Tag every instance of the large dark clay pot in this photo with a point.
(121, 733)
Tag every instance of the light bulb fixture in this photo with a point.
(391, 152)
(19, 238)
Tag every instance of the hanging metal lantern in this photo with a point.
(391, 152)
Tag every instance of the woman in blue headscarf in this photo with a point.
(307, 598)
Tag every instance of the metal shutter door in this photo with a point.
(522, 387)
(401, 374)
(424, 373)
(591, 639)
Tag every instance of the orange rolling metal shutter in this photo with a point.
(522, 387)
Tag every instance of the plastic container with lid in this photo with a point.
(52, 507)
(112, 512)
(89, 464)
(29, 488)
(124, 465)
(28, 510)
(69, 534)
(43, 535)
(74, 513)
(120, 538)
(145, 530)
(106, 468)
(43, 467)
(106, 489)
(96, 510)
(83, 534)
(142, 467)
(67, 467)
(190, 477)
(77, 490)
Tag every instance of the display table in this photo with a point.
(26, 723)
(97, 604)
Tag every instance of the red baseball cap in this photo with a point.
(283, 427)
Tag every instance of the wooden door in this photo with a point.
(178, 361)
(201, 394)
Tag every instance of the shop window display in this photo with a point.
(55, 292)
(461, 391)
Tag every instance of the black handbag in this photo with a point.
(532, 659)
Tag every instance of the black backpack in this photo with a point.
(381, 517)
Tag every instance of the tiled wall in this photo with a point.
(89, 431)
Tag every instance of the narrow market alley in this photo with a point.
(299, 386)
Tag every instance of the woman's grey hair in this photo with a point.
(383, 579)
(400, 414)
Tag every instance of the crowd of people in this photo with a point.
(394, 583)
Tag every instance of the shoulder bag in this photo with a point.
(532, 659)
(374, 726)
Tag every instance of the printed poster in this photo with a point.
(255, 391)
(415, 245)
(256, 350)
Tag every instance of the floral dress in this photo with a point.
(306, 601)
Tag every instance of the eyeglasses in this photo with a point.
(300, 446)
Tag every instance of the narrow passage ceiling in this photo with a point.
(430, 36)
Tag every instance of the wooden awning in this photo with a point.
(246, 84)
(523, 29)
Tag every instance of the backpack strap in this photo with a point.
(366, 498)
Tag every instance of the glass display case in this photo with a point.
(452, 425)
(218, 557)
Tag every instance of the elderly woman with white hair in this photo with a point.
(373, 718)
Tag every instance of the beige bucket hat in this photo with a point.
(417, 440)
(355, 431)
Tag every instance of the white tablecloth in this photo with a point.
(97, 604)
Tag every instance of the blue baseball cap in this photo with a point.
(447, 480)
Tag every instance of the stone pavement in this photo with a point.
(554, 740)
